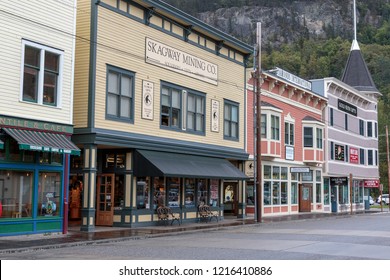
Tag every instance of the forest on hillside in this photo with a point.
(312, 58)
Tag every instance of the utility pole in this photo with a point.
(257, 83)
(388, 163)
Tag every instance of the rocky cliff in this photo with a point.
(284, 24)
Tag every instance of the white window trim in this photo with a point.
(272, 112)
(43, 48)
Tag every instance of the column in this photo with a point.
(89, 192)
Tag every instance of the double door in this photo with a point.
(105, 200)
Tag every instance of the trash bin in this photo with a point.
(366, 204)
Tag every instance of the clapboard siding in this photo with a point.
(121, 42)
(51, 26)
(81, 79)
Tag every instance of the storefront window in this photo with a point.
(276, 193)
(284, 193)
(276, 172)
(189, 196)
(159, 192)
(294, 176)
(318, 193)
(267, 172)
(173, 188)
(250, 195)
(294, 193)
(120, 160)
(28, 156)
(318, 175)
(267, 193)
(326, 192)
(343, 194)
(119, 192)
(16, 190)
(202, 191)
(308, 177)
(143, 193)
(49, 193)
(214, 193)
(14, 152)
(44, 158)
(283, 173)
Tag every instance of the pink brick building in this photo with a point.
(292, 145)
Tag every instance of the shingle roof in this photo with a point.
(356, 73)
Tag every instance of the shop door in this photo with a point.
(305, 191)
(105, 200)
(334, 199)
(230, 201)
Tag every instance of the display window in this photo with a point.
(189, 192)
(159, 192)
(16, 191)
(214, 192)
(49, 193)
(202, 192)
(173, 189)
(143, 185)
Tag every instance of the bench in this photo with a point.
(165, 215)
(205, 213)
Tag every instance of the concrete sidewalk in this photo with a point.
(75, 237)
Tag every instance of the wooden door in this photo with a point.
(105, 200)
(230, 198)
(305, 192)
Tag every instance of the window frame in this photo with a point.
(121, 72)
(289, 133)
(171, 126)
(196, 96)
(227, 135)
(275, 127)
(57, 103)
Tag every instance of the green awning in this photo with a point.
(1, 144)
(152, 163)
(42, 141)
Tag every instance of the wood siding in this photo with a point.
(29, 21)
(121, 43)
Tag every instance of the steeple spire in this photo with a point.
(356, 73)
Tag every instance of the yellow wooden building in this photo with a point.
(159, 114)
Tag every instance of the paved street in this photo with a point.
(356, 237)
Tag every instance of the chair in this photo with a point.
(166, 215)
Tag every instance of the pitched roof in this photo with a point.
(356, 73)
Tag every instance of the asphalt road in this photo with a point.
(356, 237)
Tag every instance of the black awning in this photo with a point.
(152, 163)
(42, 141)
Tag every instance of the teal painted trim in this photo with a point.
(138, 141)
(92, 63)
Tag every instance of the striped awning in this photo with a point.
(1, 144)
(42, 141)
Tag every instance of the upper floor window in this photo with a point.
(120, 99)
(171, 107)
(361, 127)
(263, 126)
(42, 74)
(275, 127)
(231, 120)
(319, 138)
(308, 137)
(369, 129)
(370, 157)
(289, 133)
(331, 116)
(195, 112)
